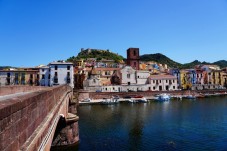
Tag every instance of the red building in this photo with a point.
(133, 58)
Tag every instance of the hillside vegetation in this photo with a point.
(98, 54)
(158, 57)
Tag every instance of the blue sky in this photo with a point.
(37, 32)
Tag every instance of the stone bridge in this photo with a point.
(36, 118)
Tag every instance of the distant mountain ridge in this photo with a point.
(157, 57)
(160, 58)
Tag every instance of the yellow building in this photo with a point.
(185, 79)
(20, 76)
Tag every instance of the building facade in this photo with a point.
(61, 73)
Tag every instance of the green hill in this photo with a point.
(221, 63)
(98, 54)
(160, 58)
(193, 64)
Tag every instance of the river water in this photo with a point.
(175, 125)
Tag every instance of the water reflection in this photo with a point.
(174, 125)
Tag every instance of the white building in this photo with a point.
(142, 76)
(92, 83)
(44, 78)
(128, 76)
(60, 73)
(162, 83)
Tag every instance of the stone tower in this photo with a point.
(133, 58)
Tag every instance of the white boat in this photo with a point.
(109, 101)
(190, 97)
(86, 100)
(164, 97)
(140, 100)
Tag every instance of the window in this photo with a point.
(153, 88)
(68, 74)
(68, 67)
(134, 52)
(129, 83)
(94, 81)
(153, 81)
(43, 76)
(42, 70)
(134, 63)
(56, 74)
(56, 67)
(128, 75)
(173, 87)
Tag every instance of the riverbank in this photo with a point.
(129, 97)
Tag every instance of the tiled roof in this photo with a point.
(66, 63)
(159, 77)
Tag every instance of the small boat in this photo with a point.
(109, 101)
(140, 100)
(138, 96)
(190, 97)
(164, 97)
(86, 100)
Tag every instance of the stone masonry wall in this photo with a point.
(6, 90)
(19, 117)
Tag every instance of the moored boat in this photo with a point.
(191, 97)
(164, 97)
(109, 101)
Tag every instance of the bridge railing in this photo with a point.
(20, 116)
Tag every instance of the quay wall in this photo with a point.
(20, 117)
(100, 95)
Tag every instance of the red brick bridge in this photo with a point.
(36, 118)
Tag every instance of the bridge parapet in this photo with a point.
(25, 120)
(6, 90)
